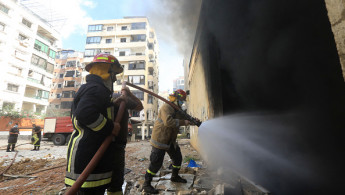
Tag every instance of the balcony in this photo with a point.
(132, 57)
(36, 84)
(36, 100)
(131, 44)
(130, 32)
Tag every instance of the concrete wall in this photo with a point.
(336, 14)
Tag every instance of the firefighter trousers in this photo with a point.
(157, 157)
(117, 177)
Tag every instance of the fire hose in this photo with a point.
(97, 157)
(193, 120)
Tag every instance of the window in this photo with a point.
(138, 38)
(150, 84)
(66, 105)
(95, 28)
(91, 52)
(68, 94)
(138, 26)
(136, 65)
(38, 61)
(69, 83)
(61, 76)
(21, 37)
(70, 73)
(2, 26)
(150, 71)
(123, 40)
(50, 68)
(123, 27)
(15, 70)
(58, 95)
(71, 64)
(57, 106)
(59, 86)
(43, 94)
(138, 94)
(3, 8)
(122, 53)
(26, 23)
(8, 105)
(52, 53)
(93, 40)
(39, 46)
(108, 40)
(152, 35)
(62, 66)
(110, 28)
(135, 114)
(150, 46)
(149, 99)
(12, 87)
(140, 79)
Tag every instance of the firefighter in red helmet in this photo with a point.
(163, 140)
(92, 114)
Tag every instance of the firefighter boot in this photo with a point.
(13, 146)
(176, 178)
(147, 187)
(8, 148)
(34, 149)
(38, 148)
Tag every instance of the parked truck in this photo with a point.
(58, 129)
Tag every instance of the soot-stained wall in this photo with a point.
(277, 56)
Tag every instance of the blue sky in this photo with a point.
(170, 58)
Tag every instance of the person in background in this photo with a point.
(12, 138)
(132, 103)
(36, 137)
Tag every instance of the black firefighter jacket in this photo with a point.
(92, 118)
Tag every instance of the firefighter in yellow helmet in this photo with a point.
(92, 114)
(163, 140)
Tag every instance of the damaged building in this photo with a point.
(274, 66)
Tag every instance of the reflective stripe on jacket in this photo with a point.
(166, 127)
(92, 119)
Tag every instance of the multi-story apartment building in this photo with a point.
(134, 43)
(66, 82)
(178, 83)
(27, 58)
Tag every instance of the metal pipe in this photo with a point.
(97, 157)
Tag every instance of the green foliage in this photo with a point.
(188, 158)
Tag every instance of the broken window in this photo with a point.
(150, 46)
(150, 71)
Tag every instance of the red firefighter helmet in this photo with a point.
(180, 94)
(105, 58)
